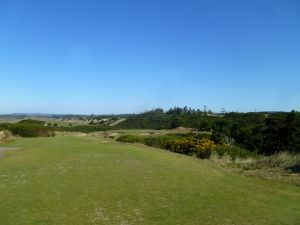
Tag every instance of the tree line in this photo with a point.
(260, 132)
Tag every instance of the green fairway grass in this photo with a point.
(92, 180)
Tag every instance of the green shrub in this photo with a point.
(233, 151)
(183, 146)
(3, 126)
(130, 139)
(203, 135)
(159, 141)
(31, 130)
(32, 122)
(83, 128)
(201, 148)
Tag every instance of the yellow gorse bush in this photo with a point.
(204, 148)
(201, 148)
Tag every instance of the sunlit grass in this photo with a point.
(92, 180)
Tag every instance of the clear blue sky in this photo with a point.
(123, 56)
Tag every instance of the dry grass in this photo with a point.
(5, 136)
(282, 160)
(282, 167)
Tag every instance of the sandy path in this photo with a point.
(3, 149)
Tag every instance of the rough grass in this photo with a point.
(283, 160)
(284, 166)
(92, 180)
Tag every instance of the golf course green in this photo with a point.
(84, 180)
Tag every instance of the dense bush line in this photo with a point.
(155, 119)
(263, 132)
(32, 122)
(189, 144)
(35, 128)
(201, 148)
(84, 128)
(233, 151)
(31, 130)
(130, 139)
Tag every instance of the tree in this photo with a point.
(291, 132)
(175, 122)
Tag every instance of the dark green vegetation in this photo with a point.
(189, 144)
(93, 180)
(84, 128)
(29, 128)
(236, 134)
(35, 128)
(233, 151)
(262, 133)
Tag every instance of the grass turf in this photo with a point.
(92, 180)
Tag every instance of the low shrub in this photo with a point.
(31, 130)
(83, 128)
(130, 139)
(189, 145)
(159, 141)
(203, 135)
(3, 126)
(32, 122)
(284, 160)
(182, 146)
(233, 151)
(204, 148)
